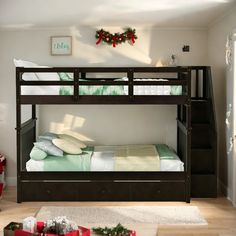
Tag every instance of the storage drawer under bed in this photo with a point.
(103, 191)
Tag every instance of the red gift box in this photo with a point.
(2, 163)
(133, 233)
(1, 188)
(82, 231)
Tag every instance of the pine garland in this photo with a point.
(118, 230)
(117, 38)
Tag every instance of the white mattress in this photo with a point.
(103, 160)
(138, 90)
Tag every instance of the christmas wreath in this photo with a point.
(117, 38)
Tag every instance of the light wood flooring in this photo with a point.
(219, 213)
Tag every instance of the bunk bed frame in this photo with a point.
(104, 186)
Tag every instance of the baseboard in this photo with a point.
(11, 181)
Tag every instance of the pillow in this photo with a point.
(72, 139)
(36, 76)
(37, 154)
(48, 147)
(26, 76)
(44, 76)
(67, 146)
(48, 136)
(74, 135)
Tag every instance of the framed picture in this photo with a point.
(61, 45)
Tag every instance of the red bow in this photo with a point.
(131, 37)
(101, 34)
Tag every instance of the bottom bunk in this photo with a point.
(101, 177)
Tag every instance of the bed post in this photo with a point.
(188, 139)
(34, 118)
(130, 76)
(18, 133)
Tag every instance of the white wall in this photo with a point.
(223, 91)
(146, 122)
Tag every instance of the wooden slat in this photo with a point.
(104, 175)
(104, 99)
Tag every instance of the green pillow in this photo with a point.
(37, 154)
(47, 136)
(48, 147)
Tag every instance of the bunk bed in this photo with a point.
(109, 185)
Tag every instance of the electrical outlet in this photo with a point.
(186, 48)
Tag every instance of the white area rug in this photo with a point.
(161, 215)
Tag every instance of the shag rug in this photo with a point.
(161, 215)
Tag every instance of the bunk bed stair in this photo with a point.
(203, 146)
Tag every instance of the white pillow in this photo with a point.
(36, 76)
(75, 135)
(26, 64)
(72, 139)
(67, 146)
(37, 90)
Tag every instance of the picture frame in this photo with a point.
(61, 45)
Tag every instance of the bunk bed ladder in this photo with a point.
(204, 135)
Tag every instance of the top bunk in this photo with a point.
(103, 85)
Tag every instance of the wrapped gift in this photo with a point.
(84, 231)
(1, 188)
(9, 230)
(2, 169)
(16, 229)
(2, 163)
(80, 232)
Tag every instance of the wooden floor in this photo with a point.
(219, 213)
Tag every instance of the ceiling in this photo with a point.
(23, 14)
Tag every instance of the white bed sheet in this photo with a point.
(138, 90)
(103, 160)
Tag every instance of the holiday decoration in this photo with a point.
(59, 226)
(119, 230)
(117, 38)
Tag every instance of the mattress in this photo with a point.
(104, 90)
(103, 159)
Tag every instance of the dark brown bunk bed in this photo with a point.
(106, 186)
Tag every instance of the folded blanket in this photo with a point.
(137, 158)
(166, 152)
(68, 162)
